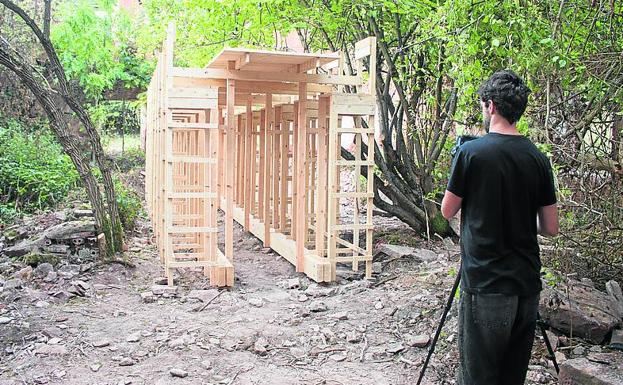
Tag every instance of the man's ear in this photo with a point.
(491, 107)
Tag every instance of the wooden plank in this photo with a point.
(259, 76)
(249, 153)
(301, 188)
(191, 230)
(229, 167)
(192, 159)
(268, 126)
(321, 191)
(193, 103)
(192, 195)
(285, 149)
(262, 165)
(246, 87)
(276, 167)
(333, 174)
(194, 125)
(193, 93)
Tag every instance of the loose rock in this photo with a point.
(101, 343)
(13, 284)
(317, 307)
(43, 270)
(51, 350)
(134, 337)
(590, 313)
(175, 372)
(257, 302)
(418, 341)
(127, 361)
(148, 297)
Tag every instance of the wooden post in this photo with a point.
(262, 165)
(229, 166)
(268, 127)
(249, 153)
(277, 134)
(321, 191)
(301, 152)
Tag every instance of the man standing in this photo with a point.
(504, 187)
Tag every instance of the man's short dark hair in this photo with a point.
(509, 93)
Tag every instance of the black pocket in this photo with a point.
(493, 310)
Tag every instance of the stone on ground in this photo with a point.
(583, 371)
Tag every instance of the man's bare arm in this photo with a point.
(450, 204)
(547, 221)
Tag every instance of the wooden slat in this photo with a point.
(191, 126)
(191, 230)
(192, 195)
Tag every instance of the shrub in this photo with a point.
(132, 158)
(129, 204)
(439, 224)
(7, 213)
(34, 172)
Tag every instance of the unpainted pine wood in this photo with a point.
(331, 208)
(268, 127)
(276, 137)
(230, 159)
(357, 124)
(254, 160)
(301, 154)
(321, 191)
(249, 154)
(262, 164)
(370, 191)
(294, 179)
(284, 173)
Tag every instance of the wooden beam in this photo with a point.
(229, 167)
(259, 76)
(268, 126)
(248, 152)
(321, 191)
(301, 152)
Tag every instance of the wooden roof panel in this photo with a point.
(269, 61)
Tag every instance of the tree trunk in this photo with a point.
(47, 17)
(112, 227)
(60, 128)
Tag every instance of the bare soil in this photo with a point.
(265, 330)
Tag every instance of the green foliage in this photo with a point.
(34, 259)
(129, 204)
(34, 173)
(131, 159)
(116, 117)
(94, 41)
(439, 224)
(8, 214)
(551, 279)
(205, 26)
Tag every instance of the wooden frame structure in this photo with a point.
(258, 135)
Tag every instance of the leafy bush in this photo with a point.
(34, 172)
(7, 213)
(132, 158)
(129, 204)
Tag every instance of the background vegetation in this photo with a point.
(432, 56)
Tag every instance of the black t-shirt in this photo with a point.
(503, 180)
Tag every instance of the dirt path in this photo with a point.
(274, 327)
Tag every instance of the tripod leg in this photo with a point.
(431, 349)
(552, 357)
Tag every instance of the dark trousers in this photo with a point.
(496, 333)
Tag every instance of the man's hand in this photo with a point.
(547, 220)
(450, 204)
